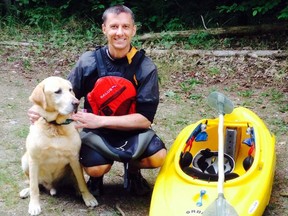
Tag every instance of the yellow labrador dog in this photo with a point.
(53, 143)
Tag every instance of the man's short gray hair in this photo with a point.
(117, 10)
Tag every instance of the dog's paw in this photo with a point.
(34, 208)
(24, 193)
(53, 191)
(90, 200)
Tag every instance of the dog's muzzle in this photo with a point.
(75, 105)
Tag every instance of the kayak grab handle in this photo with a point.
(199, 202)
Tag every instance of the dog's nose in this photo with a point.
(75, 104)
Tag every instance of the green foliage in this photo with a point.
(265, 7)
(151, 15)
(155, 21)
(174, 24)
(43, 17)
(276, 95)
(202, 39)
(196, 97)
(167, 41)
(283, 107)
(26, 64)
(281, 126)
(22, 132)
(83, 19)
(231, 8)
(246, 93)
(213, 71)
(189, 84)
(283, 14)
(255, 7)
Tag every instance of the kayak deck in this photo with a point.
(181, 186)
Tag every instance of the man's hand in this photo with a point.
(33, 116)
(85, 120)
(125, 123)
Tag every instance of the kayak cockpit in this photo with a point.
(199, 155)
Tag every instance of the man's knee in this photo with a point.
(156, 160)
(160, 157)
(97, 171)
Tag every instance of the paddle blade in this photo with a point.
(220, 102)
(220, 207)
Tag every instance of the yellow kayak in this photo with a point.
(187, 182)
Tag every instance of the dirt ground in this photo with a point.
(259, 83)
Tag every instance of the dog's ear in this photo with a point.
(38, 96)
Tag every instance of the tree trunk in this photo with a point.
(236, 30)
(223, 53)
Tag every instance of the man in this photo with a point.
(119, 28)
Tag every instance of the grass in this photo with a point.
(8, 185)
(246, 93)
(22, 132)
(213, 71)
(189, 84)
(9, 172)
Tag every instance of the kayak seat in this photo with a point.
(185, 159)
(205, 165)
(197, 174)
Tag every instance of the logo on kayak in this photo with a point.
(194, 212)
(253, 207)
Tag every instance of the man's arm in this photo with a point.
(126, 122)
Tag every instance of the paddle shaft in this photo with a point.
(220, 206)
(220, 154)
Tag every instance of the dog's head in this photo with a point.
(55, 94)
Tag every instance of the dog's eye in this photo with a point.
(70, 90)
(58, 91)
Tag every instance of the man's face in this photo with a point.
(119, 30)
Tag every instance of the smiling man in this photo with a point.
(128, 137)
(119, 28)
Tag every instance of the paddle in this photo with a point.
(220, 207)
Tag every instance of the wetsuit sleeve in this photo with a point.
(148, 90)
(82, 73)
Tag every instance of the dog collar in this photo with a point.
(68, 121)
